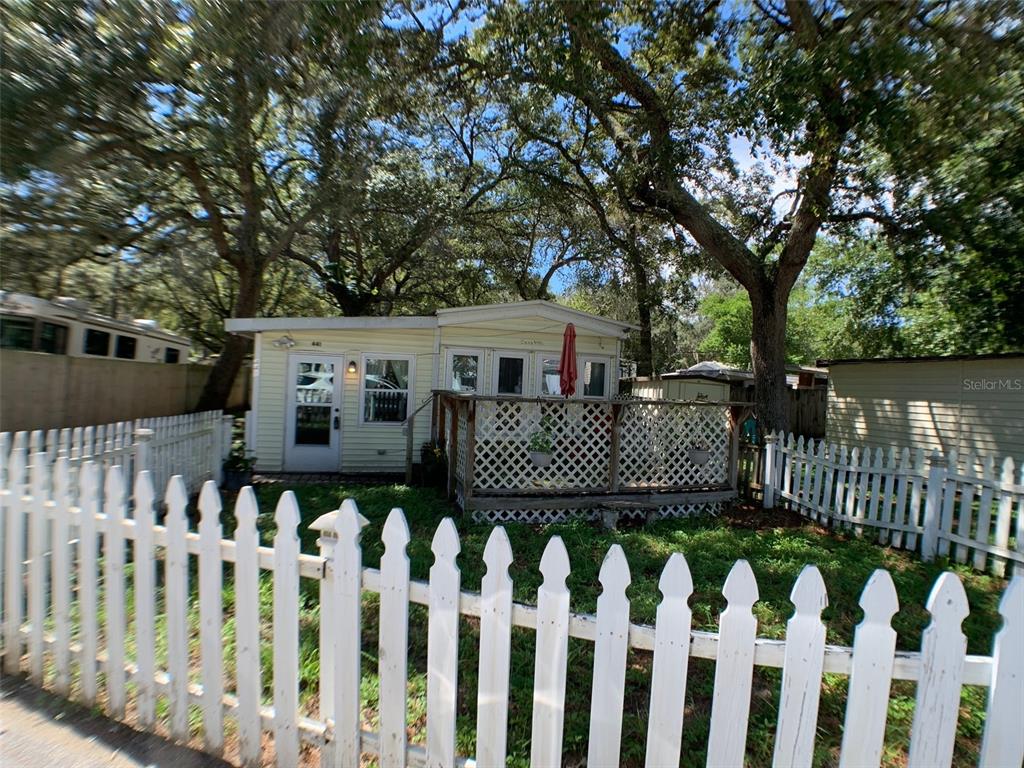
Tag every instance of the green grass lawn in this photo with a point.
(710, 545)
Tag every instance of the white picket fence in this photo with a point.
(951, 506)
(193, 444)
(63, 586)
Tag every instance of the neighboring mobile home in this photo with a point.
(972, 404)
(332, 394)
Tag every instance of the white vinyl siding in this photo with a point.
(930, 404)
(381, 448)
(364, 447)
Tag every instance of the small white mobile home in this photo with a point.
(333, 394)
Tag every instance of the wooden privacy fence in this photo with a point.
(968, 509)
(194, 444)
(93, 536)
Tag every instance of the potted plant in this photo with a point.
(237, 468)
(540, 445)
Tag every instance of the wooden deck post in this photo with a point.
(467, 476)
(410, 427)
(453, 447)
(613, 455)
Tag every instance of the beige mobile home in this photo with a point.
(333, 394)
(973, 404)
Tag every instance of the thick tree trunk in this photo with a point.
(768, 356)
(645, 361)
(247, 303)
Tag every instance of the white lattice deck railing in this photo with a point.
(91, 537)
(662, 454)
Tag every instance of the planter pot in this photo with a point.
(236, 479)
(699, 456)
(540, 459)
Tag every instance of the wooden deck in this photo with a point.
(648, 454)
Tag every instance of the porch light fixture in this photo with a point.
(285, 342)
(352, 366)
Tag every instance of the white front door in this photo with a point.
(313, 427)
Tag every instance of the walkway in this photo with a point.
(38, 728)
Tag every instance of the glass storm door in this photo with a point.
(313, 427)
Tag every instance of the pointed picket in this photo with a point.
(734, 669)
(860, 511)
(966, 516)
(443, 646)
(286, 631)
(551, 657)
(918, 473)
(984, 527)
(347, 587)
(818, 468)
(495, 651)
(1003, 741)
(394, 631)
(945, 520)
(248, 676)
(874, 647)
(671, 656)
(89, 505)
(211, 617)
(610, 647)
(113, 589)
(842, 481)
(877, 470)
(827, 504)
(801, 672)
(38, 523)
(144, 574)
(61, 575)
(902, 489)
(1004, 516)
(176, 604)
(943, 647)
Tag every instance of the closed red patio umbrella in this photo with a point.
(567, 365)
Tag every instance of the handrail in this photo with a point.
(427, 401)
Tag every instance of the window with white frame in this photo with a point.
(594, 377)
(549, 380)
(509, 375)
(465, 367)
(385, 388)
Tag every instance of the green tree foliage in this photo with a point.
(821, 90)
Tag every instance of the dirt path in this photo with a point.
(40, 729)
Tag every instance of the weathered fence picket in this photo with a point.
(132, 679)
(610, 647)
(734, 672)
(394, 629)
(211, 616)
(113, 589)
(286, 631)
(495, 651)
(952, 509)
(671, 658)
(551, 657)
(144, 575)
(874, 647)
(176, 606)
